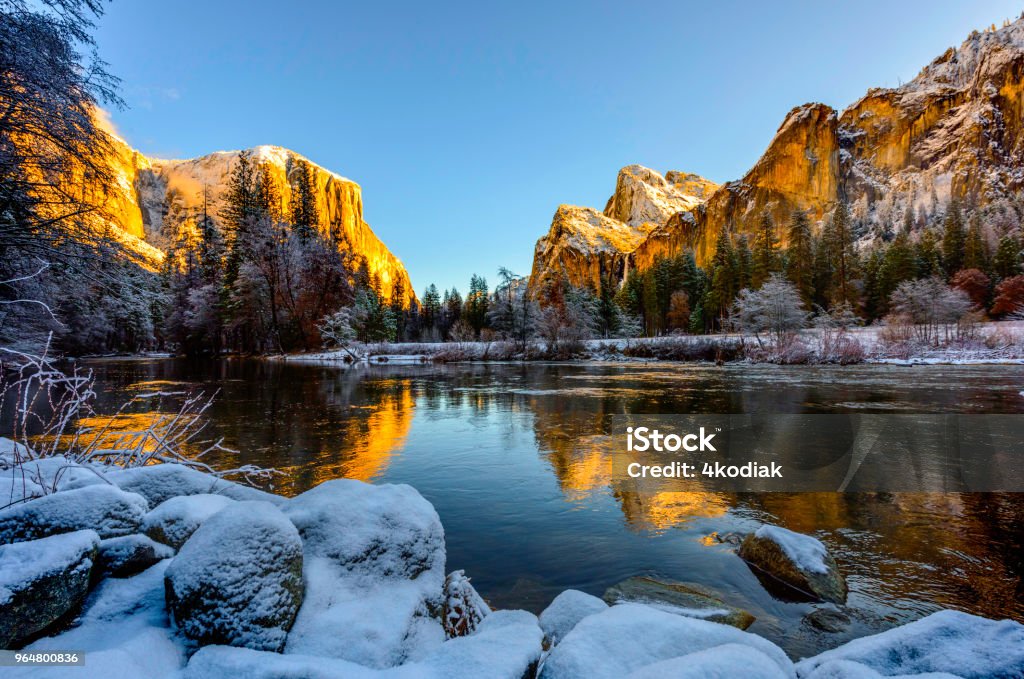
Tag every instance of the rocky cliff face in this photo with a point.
(957, 129)
(585, 245)
(147, 190)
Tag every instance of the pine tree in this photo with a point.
(976, 254)
(431, 308)
(953, 239)
(766, 251)
(928, 255)
(305, 215)
(744, 263)
(842, 256)
(800, 255)
(476, 303)
(398, 309)
(1007, 260)
(723, 278)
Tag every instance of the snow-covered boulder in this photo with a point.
(679, 599)
(463, 608)
(127, 555)
(36, 477)
(800, 562)
(105, 509)
(160, 482)
(238, 579)
(173, 521)
(727, 661)
(374, 573)
(627, 637)
(847, 669)
(567, 609)
(42, 580)
(123, 631)
(948, 641)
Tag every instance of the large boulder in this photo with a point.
(106, 509)
(627, 637)
(565, 611)
(374, 573)
(800, 563)
(41, 581)
(948, 641)
(680, 599)
(238, 579)
(160, 482)
(22, 478)
(173, 521)
(127, 555)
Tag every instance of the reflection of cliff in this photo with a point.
(581, 453)
(370, 443)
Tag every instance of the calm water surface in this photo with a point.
(509, 455)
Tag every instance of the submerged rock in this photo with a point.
(174, 520)
(948, 641)
(238, 579)
(679, 599)
(41, 581)
(800, 562)
(828, 620)
(374, 572)
(565, 611)
(127, 555)
(103, 508)
(628, 637)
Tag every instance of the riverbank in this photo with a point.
(984, 343)
(164, 571)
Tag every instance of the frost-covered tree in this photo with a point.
(774, 309)
(929, 304)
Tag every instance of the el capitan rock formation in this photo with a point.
(955, 130)
(147, 190)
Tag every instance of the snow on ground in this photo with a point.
(123, 632)
(806, 552)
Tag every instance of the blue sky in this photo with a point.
(468, 123)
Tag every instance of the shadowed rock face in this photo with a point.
(148, 190)
(955, 130)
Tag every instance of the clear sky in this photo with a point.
(468, 123)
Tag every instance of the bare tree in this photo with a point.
(931, 306)
(775, 308)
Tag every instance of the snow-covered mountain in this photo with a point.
(149, 190)
(957, 129)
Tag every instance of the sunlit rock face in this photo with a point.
(148, 190)
(957, 129)
(585, 245)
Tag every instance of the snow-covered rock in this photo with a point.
(160, 482)
(463, 608)
(627, 637)
(567, 609)
(801, 562)
(122, 630)
(129, 554)
(42, 580)
(679, 599)
(374, 573)
(505, 647)
(727, 661)
(26, 479)
(948, 641)
(103, 508)
(847, 669)
(173, 521)
(238, 579)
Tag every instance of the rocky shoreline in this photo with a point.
(164, 571)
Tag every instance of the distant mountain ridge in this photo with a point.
(955, 130)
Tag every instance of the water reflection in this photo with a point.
(517, 459)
